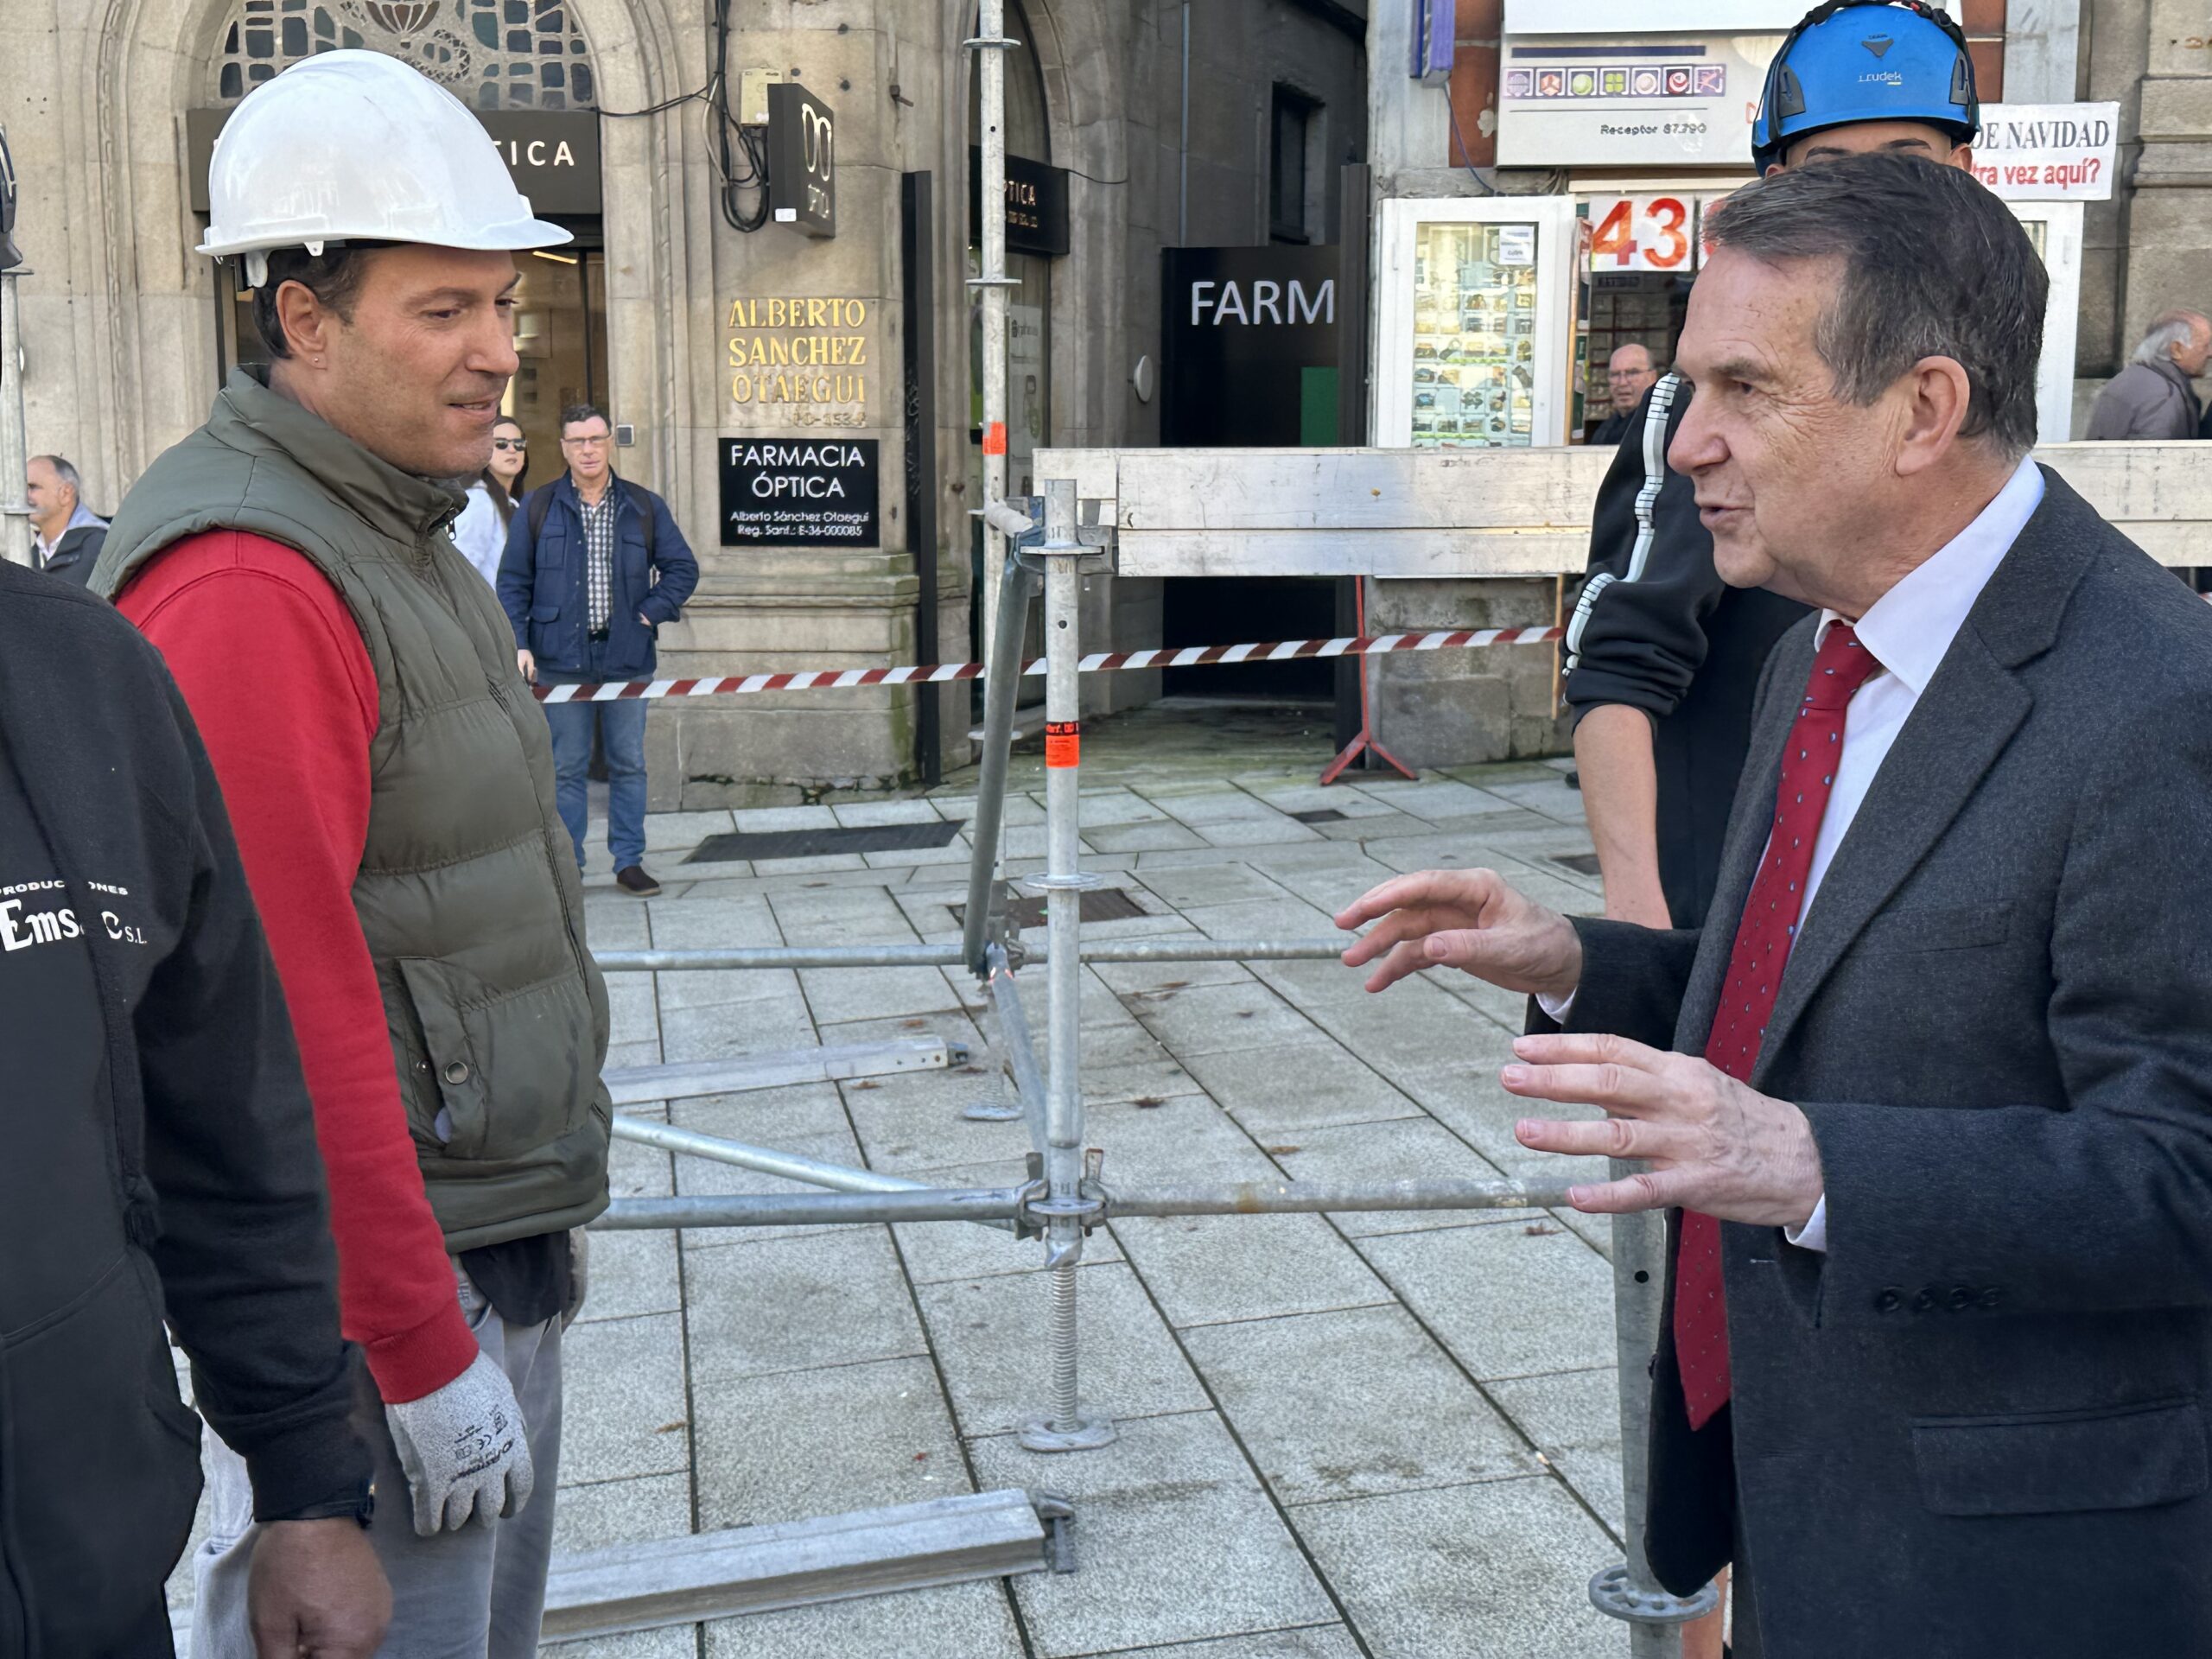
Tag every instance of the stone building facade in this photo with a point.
(1160, 112)
(2146, 249)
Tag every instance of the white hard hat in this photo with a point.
(359, 146)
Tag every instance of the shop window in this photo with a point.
(494, 55)
(1296, 122)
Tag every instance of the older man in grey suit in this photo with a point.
(1936, 1121)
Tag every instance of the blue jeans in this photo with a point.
(622, 727)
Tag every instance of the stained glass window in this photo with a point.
(495, 54)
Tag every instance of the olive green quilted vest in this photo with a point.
(468, 892)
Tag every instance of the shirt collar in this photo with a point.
(79, 516)
(1910, 628)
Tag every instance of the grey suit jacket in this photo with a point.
(1976, 1425)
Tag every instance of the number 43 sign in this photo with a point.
(1645, 232)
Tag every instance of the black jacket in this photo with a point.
(75, 554)
(198, 1196)
(1657, 629)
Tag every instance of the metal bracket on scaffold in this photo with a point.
(1071, 1188)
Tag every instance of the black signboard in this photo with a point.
(1249, 347)
(1036, 205)
(799, 492)
(802, 160)
(554, 155)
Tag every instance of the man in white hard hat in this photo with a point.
(392, 782)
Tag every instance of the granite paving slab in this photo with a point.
(1575, 1418)
(951, 1621)
(1203, 1269)
(1349, 1404)
(1177, 1542)
(1374, 1154)
(990, 1339)
(623, 1411)
(795, 1444)
(832, 1297)
(1501, 1566)
(1277, 1093)
(1214, 1018)
(1511, 1298)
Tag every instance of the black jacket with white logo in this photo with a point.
(160, 1158)
(1657, 629)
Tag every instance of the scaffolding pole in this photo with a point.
(991, 45)
(1032, 1205)
(16, 538)
(954, 956)
(1064, 1427)
(1002, 674)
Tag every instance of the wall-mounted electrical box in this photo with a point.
(753, 96)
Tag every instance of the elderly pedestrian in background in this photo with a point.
(481, 532)
(1630, 372)
(69, 532)
(2155, 395)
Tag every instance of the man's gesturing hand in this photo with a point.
(1713, 1144)
(315, 1592)
(1468, 919)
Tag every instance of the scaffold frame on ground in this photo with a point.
(1066, 1194)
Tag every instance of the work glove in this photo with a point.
(464, 1450)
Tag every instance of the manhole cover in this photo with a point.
(817, 843)
(1095, 904)
(1319, 815)
(1580, 863)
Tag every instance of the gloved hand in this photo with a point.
(464, 1450)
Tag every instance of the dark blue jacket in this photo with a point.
(543, 586)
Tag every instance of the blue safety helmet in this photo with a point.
(1851, 60)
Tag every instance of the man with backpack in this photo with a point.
(594, 565)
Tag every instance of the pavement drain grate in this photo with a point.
(1319, 815)
(1097, 904)
(759, 845)
(1580, 863)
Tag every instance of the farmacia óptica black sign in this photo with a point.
(799, 492)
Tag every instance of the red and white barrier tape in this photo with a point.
(1104, 662)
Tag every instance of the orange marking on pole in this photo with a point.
(995, 438)
(1063, 743)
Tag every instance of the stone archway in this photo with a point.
(141, 325)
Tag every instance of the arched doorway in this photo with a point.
(526, 68)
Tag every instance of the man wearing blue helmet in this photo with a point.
(1663, 657)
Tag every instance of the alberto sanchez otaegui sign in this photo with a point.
(799, 492)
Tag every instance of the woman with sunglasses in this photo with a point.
(481, 532)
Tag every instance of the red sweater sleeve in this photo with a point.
(273, 668)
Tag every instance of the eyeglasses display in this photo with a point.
(1474, 335)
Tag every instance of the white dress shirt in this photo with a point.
(1909, 630)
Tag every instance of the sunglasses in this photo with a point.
(508, 444)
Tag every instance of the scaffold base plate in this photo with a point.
(1089, 1434)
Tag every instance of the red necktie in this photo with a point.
(1763, 937)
